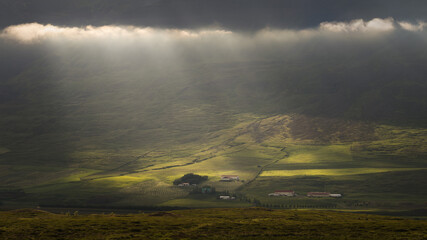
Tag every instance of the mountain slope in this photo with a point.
(115, 121)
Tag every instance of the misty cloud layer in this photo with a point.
(357, 69)
(178, 47)
(35, 32)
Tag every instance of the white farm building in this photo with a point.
(229, 178)
(286, 193)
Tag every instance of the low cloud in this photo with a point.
(359, 25)
(35, 32)
(413, 27)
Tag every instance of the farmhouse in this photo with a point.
(229, 178)
(287, 193)
(186, 184)
(318, 194)
(226, 198)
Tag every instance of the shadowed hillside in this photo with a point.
(114, 121)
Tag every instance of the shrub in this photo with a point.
(190, 178)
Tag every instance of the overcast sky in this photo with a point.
(227, 14)
(335, 46)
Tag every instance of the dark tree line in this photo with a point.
(190, 178)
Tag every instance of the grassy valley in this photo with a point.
(200, 119)
(360, 160)
(84, 127)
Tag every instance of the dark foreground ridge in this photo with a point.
(244, 223)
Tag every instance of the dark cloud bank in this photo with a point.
(365, 70)
(229, 14)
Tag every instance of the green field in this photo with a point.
(76, 131)
(268, 154)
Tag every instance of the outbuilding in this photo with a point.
(286, 193)
(184, 184)
(318, 194)
(229, 178)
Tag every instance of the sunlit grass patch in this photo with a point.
(333, 172)
(120, 181)
(315, 154)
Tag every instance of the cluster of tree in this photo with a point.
(190, 178)
(204, 190)
(258, 203)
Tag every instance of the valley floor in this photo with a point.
(372, 166)
(240, 223)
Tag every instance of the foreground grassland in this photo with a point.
(248, 223)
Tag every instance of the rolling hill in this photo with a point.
(113, 125)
